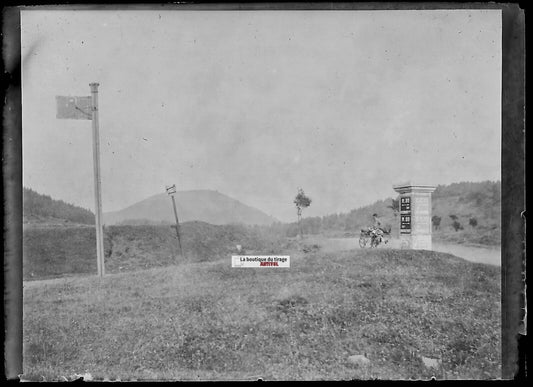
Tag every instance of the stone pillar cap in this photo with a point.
(412, 186)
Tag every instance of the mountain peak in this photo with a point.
(205, 205)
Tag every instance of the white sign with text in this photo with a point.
(260, 261)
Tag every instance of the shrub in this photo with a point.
(456, 225)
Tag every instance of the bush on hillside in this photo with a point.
(457, 226)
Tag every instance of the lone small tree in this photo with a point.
(301, 201)
(395, 206)
(473, 222)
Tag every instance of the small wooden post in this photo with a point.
(177, 225)
(171, 191)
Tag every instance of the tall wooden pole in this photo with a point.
(97, 182)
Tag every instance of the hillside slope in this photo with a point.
(62, 251)
(477, 209)
(200, 205)
(480, 201)
(39, 208)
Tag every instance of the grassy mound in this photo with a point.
(205, 320)
(56, 251)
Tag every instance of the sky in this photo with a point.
(256, 104)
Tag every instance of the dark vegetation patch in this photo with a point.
(57, 251)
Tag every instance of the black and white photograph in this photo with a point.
(263, 194)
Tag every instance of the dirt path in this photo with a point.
(491, 256)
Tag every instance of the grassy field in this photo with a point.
(207, 321)
(480, 236)
(50, 251)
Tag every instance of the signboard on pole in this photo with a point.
(74, 108)
(171, 190)
(86, 108)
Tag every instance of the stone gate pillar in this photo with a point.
(415, 215)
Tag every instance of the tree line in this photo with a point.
(476, 204)
(38, 205)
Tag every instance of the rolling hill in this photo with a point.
(50, 252)
(201, 205)
(476, 206)
(38, 209)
